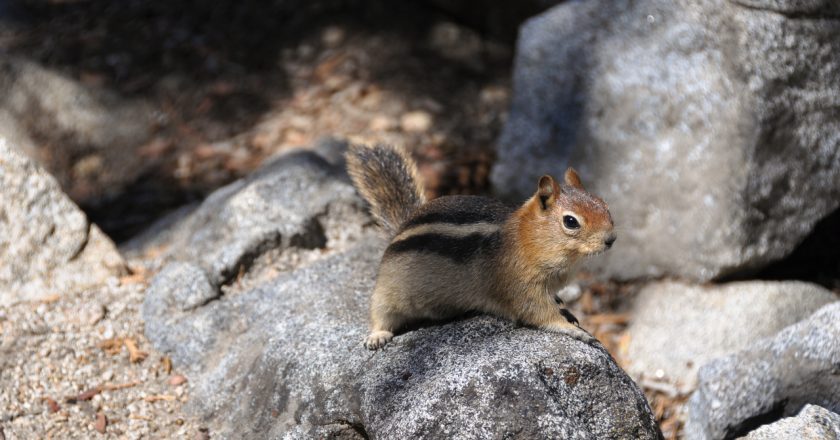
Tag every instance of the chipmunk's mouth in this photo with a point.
(597, 252)
(607, 245)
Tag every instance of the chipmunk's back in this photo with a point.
(458, 228)
(459, 210)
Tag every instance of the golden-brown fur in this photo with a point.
(458, 254)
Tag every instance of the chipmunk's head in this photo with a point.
(570, 222)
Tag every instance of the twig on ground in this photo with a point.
(157, 397)
(134, 353)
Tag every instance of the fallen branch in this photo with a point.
(87, 395)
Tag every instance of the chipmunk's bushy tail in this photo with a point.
(387, 178)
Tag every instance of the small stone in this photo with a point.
(101, 423)
(88, 167)
(416, 121)
(177, 380)
(91, 314)
(202, 434)
(333, 36)
(381, 123)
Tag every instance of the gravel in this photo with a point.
(54, 351)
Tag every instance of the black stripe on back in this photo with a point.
(460, 210)
(457, 249)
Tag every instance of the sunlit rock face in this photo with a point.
(711, 128)
(47, 246)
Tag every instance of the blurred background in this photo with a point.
(140, 107)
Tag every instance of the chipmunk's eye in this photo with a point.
(570, 222)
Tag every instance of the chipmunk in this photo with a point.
(457, 254)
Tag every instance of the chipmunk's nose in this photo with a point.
(610, 240)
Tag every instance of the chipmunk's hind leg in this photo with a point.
(383, 322)
(377, 339)
(382, 328)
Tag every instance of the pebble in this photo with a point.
(108, 333)
(416, 121)
(88, 166)
(92, 314)
(381, 123)
(333, 36)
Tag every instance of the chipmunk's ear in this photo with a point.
(547, 191)
(572, 179)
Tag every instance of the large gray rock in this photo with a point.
(282, 354)
(700, 323)
(47, 246)
(709, 127)
(773, 378)
(812, 423)
(300, 199)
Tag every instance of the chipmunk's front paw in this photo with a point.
(378, 339)
(571, 330)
